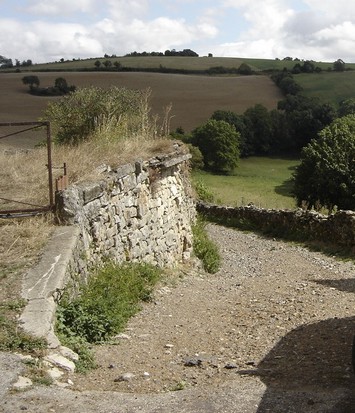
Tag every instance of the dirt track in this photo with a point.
(271, 332)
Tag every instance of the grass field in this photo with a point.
(178, 62)
(328, 86)
(193, 98)
(263, 181)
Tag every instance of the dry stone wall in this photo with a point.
(141, 211)
(336, 229)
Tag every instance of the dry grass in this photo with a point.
(21, 240)
(84, 160)
(24, 178)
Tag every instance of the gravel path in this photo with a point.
(275, 310)
(270, 332)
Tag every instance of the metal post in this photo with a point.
(50, 174)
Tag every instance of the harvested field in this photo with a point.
(193, 98)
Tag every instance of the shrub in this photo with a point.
(203, 193)
(112, 296)
(92, 112)
(204, 248)
(196, 157)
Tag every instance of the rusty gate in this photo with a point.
(16, 128)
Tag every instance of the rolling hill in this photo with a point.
(193, 98)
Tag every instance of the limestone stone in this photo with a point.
(60, 361)
(22, 383)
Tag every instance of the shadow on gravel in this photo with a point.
(312, 357)
(346, 285)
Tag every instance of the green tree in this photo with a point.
(5, 62)
(31, 80)
(326, 174)
(281, 139)
(346, 107)
(238, 122)
(339, 65)
(196, 157)
(289, 86)
(218, 142)
(61, 84)
(308, 67)
(305, 117)
(117, 65)
(259, 126)
(97, 63)
(245, 69)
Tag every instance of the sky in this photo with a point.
(49, 30)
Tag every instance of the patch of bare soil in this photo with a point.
(275, 311)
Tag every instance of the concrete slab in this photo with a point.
(42, 281)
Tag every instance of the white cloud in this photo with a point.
(158, 35)
(124, 11)
(323, 30)
(336, 9)
(308, 29)
(59, 7)
(32, 41)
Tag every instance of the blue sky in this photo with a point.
(48, 30)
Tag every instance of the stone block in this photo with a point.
(91, 192)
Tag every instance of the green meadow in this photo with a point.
(264, 181)
(328, 86)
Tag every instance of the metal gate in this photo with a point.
(15, 128)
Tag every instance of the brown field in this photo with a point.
(193, 98)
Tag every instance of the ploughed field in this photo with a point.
(193, 98)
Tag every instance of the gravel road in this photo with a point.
(270, 332)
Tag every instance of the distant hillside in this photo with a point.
(193, 98)
(175, 62)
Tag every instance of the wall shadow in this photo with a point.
(346, 285)
(314, 356)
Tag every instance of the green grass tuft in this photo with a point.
(204, 248)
